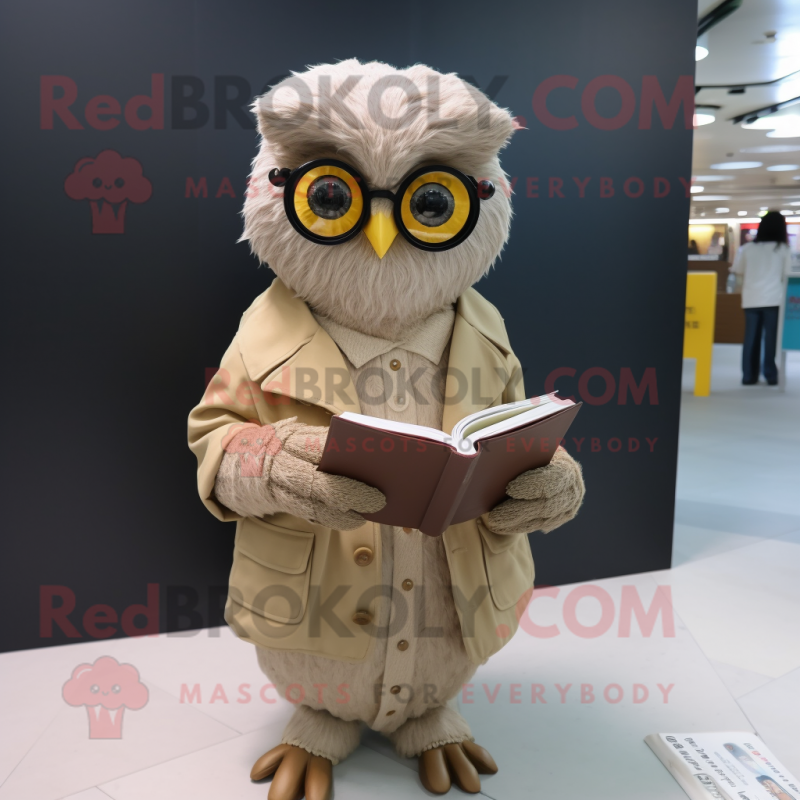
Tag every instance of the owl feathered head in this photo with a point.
(386, 123)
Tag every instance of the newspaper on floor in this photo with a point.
(724, 766)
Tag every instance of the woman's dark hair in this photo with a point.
(772, 228)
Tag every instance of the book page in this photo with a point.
(507, 424)
(407, 428)
(465, 427)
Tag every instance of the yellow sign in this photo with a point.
(698, 334)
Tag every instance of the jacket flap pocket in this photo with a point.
(496, 542)
(275, 547)
(509, 567)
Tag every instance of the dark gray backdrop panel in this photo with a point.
(107, 338)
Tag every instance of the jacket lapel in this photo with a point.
(285, 350)
(477, 371)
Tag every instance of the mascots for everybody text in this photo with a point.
(373, 201)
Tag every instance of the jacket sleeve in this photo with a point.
(228, 401)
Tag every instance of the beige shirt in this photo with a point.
(421, 662)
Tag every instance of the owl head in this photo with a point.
(367, 180)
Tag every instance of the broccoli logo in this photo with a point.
(106, 688)
(109, 182)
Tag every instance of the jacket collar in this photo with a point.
(428, 339)
(282, 344)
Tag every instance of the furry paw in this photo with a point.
(274, 468)
(541, 499)
(464, 762)
(297, 774)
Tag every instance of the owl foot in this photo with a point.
(461, 763)
(297, 774)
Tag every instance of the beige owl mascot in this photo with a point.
(378, 200)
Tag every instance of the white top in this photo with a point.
(764, 266)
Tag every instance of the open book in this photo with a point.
(724, 766)
(433, 479)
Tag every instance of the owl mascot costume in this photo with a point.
(378, 200)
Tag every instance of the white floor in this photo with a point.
(732, 661)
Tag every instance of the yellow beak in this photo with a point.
(381, 230)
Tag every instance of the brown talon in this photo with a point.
(268, 763)
(480, 757)
(319, 778)
(465, 774)
(290, 777)
(433, 771)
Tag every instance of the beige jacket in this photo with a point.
(296, 585)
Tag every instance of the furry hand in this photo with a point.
(272, 468)
(541, 499)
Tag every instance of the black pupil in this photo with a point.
(432, 203)
(329, 195)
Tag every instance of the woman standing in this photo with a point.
(762, 266)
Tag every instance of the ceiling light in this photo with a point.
(742, 213)
(770, 122)
(770, 148)
(710, 198)
(695, 189)
(786, 212)
(737, 165)
(796, 203)
(789, 132)
(721, 210)
(783, 168)
(703, 118)
(701, 48)
(704, 178)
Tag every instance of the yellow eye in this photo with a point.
(436, 207)
(328, 201)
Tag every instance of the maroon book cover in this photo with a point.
(429, 484)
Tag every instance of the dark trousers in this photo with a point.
(757, 321)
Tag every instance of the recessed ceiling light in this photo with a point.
(796, 203)
(701, 47)
(783, 168)
(695, 189)
(772, 122)
(763, 208)
(785, 133)
(738, 165)
(771, 148)
(703, 118)
(721, 210)
(710, 198)
(742, 213)
(786, 212)
(711, 178)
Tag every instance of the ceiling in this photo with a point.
(739, 52)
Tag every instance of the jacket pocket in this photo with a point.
(271, 570)
(509, 566)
